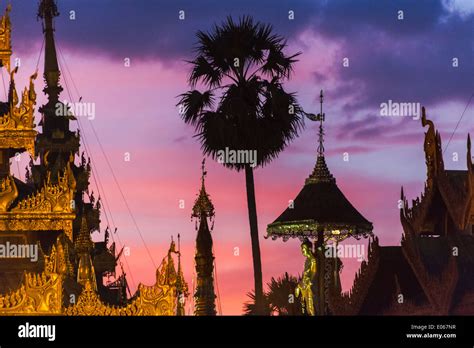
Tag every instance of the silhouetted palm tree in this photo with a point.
(244, 106)
(280, 298)
(281, 295)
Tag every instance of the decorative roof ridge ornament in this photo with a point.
(321, 171)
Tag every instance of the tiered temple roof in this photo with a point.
(320, 206)
(432, 272)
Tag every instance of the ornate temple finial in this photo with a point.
(203, 207)
(5, 39)
(204, 258)
(320, 172)
(47, 11)
(181, 285)
(320, 117)
(203, 169)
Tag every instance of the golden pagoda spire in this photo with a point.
(84, 246)
(181, 285)
(205, 295)
(47, 11)
(5, 39)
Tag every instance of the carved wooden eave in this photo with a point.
(438, 289)
(351, 303)
(37, 222)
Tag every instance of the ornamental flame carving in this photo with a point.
(43, 293)
(152, 300)
(54, 198)
(17, 125)
(40, 293)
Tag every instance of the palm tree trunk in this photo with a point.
(257, 263)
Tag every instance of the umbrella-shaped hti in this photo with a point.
(320, 214)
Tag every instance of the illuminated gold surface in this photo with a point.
(305, 286)
(52, 208)
(8, 192)
(5, 39)
(49, 209)
(17, 126)
(52, 198)
(42, 294)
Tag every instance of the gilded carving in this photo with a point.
(55, 198)
(8, 192)
(5, 39)
(17, 126)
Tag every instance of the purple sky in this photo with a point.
(406, 60)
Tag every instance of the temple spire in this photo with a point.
(181, 286)
(47, 11)
(202, 211)
(84, 246)
(5, 39)
(320, 172)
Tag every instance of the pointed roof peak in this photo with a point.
(321, 117)
(320, 173)
(84, 241)
(203, 205)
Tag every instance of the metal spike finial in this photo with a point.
(203, 170)
(321, 118)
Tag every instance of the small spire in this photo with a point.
(84, 245)
(84, 242)
(181, 285)
(5, 39)
(320, 172)
(47, 10)
(321, 118)
(204, 172)
(203, 206)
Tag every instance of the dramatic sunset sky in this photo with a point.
(407, 60)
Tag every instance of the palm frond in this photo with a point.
(193, 104)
